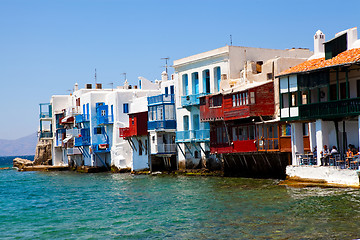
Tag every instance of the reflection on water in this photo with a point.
(75, 206)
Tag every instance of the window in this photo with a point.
(196, 122)
(206, 81)
(126, 108)
(294, 100)
(251, 132)
(98, 130)
(285, 130)
(186, 123)
(195, 82)
(217, 77)
(304, 98)
(240, 99)
(216, 101)
(78, 102)
(153, 139)
(159, 113)
(185, 84)
(285, 100)
(172, 89)
(166, 91)
(169, 112)
(305, 129)
(269, 76)
(252, 97)
(103, 112)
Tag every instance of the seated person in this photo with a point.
(349, 156)
(325, 154)
(334, 151)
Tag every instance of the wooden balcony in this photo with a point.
(332, 109)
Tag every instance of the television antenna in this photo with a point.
(112, 86)
(124, 75)
(166, 63)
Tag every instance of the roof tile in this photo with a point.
(349, 56)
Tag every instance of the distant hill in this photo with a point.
(19, 147)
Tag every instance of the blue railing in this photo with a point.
(82, 118)
(167, 124)
(46, 134)
(162, 98)
(193, 136)
(45, 110)
(101, 148)
(59, 136)
(191, 100)
(106, 119)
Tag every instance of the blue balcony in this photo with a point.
(82, 118)
(84, 138)
(46, 134)
(162, 98)
(100, 148)
(191, 100)
(45, 110)
(105, 119)
(158, 125)
(193, 136)
(60, 135)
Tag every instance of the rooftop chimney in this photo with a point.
(319, 39)
(164, 76)
(76, 87)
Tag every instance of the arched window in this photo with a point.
(195, 82)
(185, 83)
(217, 78)
(206, 81)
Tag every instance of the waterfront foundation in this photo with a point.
(323, 175)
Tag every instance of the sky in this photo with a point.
(46, 46)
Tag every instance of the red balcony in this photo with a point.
(211, 108)
(124, 132)
(247, 102)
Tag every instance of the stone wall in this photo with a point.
(43, 153)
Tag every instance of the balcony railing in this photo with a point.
(191, 100)
(124, 132)
(101, 148)
(166, 148)
(46, 134)
(82, 118)
(45, 110)
(193, 136)
(340, 108)
(106, 119)
(162, 98)
(82, 141)
(73, 151)
(167, 124)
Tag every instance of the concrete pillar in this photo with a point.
(181, 158)
(312, 135)
(322, 137)
(297, 141)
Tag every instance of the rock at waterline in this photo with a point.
(21, 163)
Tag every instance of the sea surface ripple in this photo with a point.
(69, 205)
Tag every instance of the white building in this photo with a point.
(86, 125)
(206, 73)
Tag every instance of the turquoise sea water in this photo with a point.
(68, 205)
